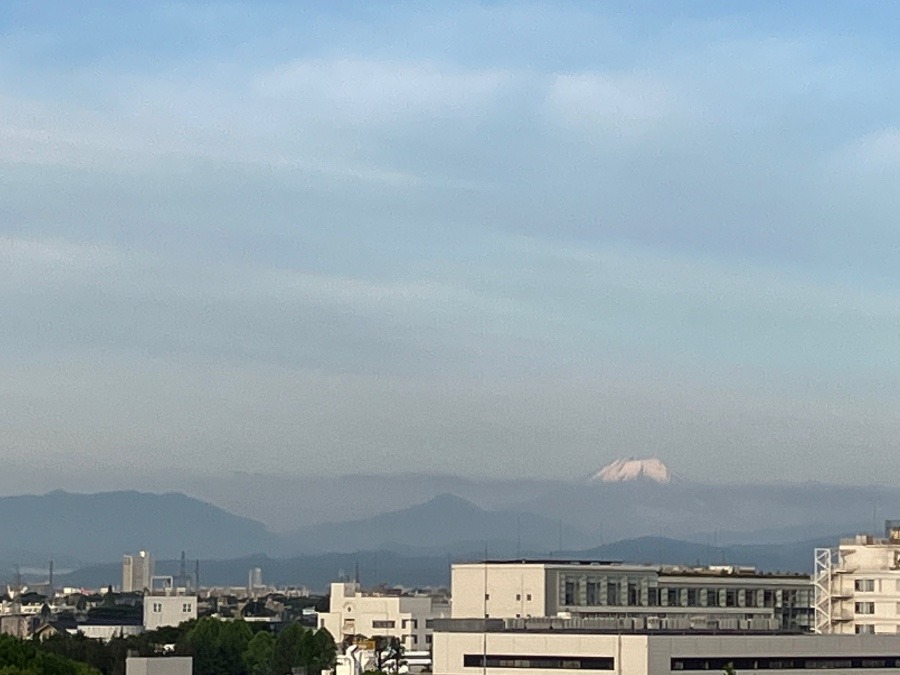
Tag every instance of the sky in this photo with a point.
(487, 239)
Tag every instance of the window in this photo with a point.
(612, 593)
(634, 597)
(570, 593)
(518, 597)
(428, 639)
(712, 597)
(528, 597)
(864, 607)
(186, 608)
(672, 597)
(384, 624)
(157, 607)
(593, 593)
(487, 596)
(653, 597)
(865, 628)
(749, 598)
(864, 585)
(731, 597)
(692, 598)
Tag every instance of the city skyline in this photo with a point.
(251, 237)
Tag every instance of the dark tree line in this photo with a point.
(217, 647)
(18, 657)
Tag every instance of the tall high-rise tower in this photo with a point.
(137, 572)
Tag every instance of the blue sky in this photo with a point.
(347, 236)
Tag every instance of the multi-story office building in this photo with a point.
(857, 585)
(407, 617)
(640, 595)
(137, 572)
(504, 647)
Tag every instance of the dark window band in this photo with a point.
(542, 662)
(786, 663)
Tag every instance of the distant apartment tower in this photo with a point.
(857, 584)
(255, 581)
(137, 572)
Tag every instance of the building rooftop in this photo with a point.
(663, 570)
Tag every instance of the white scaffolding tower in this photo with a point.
(822, 582)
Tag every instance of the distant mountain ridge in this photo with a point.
(103, 526)
(409, 569)
(446, 522)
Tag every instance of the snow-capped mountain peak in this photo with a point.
(623, 470)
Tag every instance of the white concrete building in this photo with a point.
(646, 596)
(407, 617)
(106, 630)
(168, 610)
(858, 585)
(159, 665)
(137, 572)
(480, 647)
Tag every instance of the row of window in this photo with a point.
(784, 663)
(538, 662)
(615, 594)
(868, 585)
(407, 623)
(683, 664)
(869, 607)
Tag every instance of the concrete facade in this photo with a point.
(858, 588)
(406, 617)
(514, 652)
(168, 610)
(165, 665)
(666, 597)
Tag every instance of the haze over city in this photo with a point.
(501, 240)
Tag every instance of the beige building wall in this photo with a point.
(168, 610)
(866, 589)
(515, 590)
(167, 665)
(351, 612)
(654, 654)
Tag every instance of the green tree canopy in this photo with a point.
(259, 654)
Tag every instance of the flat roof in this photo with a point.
(661, 569)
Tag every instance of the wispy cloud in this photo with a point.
(529, 204)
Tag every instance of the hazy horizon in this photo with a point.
(495, 239)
